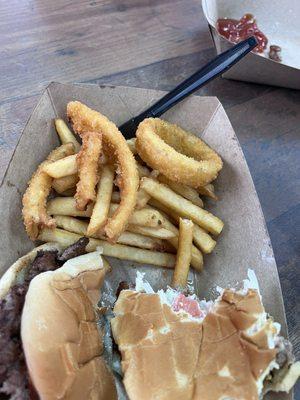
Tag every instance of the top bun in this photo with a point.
(61, 341)
(170, 355)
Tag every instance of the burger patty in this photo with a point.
(13, 374)
(14, 380)
(74, 250)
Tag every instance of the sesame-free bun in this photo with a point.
(168, 355)
(61, 341)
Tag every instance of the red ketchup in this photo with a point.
(237, 30)
(187, 304)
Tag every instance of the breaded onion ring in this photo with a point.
(84, 120)
(34, 200)
(88, 162)
(177, 154)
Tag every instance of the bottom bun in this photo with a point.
(60, 337)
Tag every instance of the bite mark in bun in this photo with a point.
(229, 350)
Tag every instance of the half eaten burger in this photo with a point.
(174, 346)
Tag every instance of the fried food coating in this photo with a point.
(88, 163)
(84, 120)
(34, 200)
(179, 155)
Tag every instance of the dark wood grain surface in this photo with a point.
(156, 44)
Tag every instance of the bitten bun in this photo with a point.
(171, 355)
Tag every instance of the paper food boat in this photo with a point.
(245, 242)
(279, 21)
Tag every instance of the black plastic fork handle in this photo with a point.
(217, 66)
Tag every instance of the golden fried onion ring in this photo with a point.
(179, 155)
(88, 162)
(34, 200)
(84, 120)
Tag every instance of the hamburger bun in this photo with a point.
(16, 272)
(228, 352)
(60, 337)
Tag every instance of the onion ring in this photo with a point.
(179, 155)
(34, 200)
(84, 120)
(88, 162)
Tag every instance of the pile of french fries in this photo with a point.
(169, 217)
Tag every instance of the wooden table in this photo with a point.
(155, 44)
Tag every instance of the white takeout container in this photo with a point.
(243, 244)
(279, 21)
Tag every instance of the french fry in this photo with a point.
(160, 233)
(131, 239)
(131, 145)
(184, 253)
(63, 167)
(60, 185)
(142, 196)
(182, 206)
(145, 217)
(88, 162)
(67, 206)
(208, 190)
(185, 191)
(101, 207)
(166, 211)
(143, 242)
(71, 224)
(142, 199)
(197, 257)
(201, 238)
(123, 252)
(67, 166)
(65, 135)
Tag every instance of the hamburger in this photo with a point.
(50, 344)
(174, 346)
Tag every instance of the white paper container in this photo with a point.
(279, 21)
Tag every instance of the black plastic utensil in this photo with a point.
(214, 68)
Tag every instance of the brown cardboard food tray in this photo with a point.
(244, 243)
